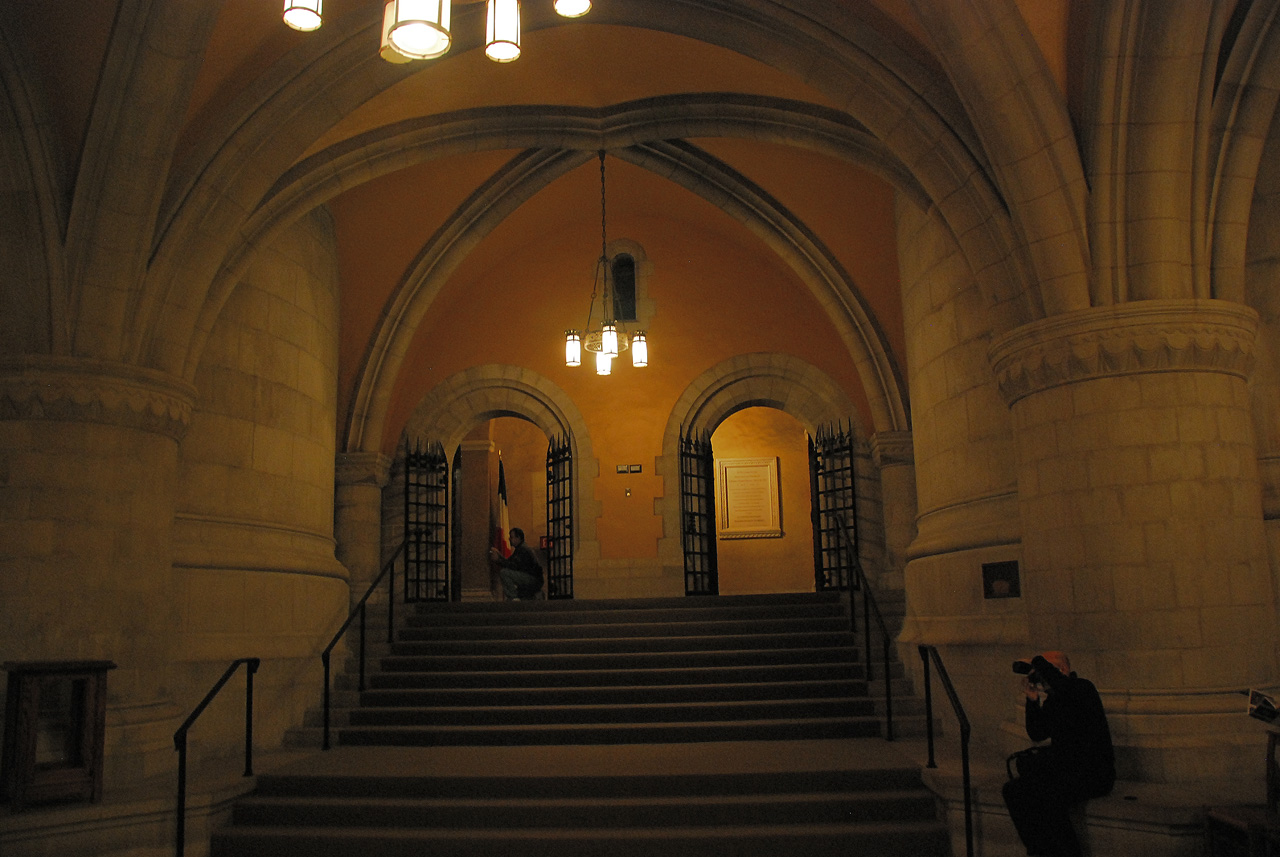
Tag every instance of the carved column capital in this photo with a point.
(1127, 339)
(890, 448)
(363, 468)
(73, 389)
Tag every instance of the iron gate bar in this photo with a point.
(834, 499)
(697, 515)
(426, 527)
(559, 518)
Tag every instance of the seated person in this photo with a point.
(1078, 764)
(520, 572)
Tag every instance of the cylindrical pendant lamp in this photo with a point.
(303, 15)
(639, 349)
(572, 348)
(420, 28)
(502, 33)
(609, 339)
(572, 8)
(387, 50)
(604, 363)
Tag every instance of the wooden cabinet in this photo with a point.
(55, 720)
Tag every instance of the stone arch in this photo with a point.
(909, 120)
(697, 172)
(455, 405)
(780, 381)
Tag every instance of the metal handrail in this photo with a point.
(870, 607)
(928, 653)
(359, 609)
(180, 738)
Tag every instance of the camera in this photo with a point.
(1025, 668)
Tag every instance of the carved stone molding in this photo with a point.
(892, 448)
(363, 468)
(70, 389)
(1128, 339)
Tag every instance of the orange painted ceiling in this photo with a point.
(381, 225)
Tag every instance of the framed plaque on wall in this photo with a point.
(747, 502)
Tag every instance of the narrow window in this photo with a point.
(624, 287)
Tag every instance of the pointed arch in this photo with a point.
(920, 127)
(695, 170)
(454, 406)
(780, 381)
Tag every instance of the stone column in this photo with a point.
(88, 467)
(479, 476)
(357, 516)
(1144, 551)
(892, 453)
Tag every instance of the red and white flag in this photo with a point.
(502, 525)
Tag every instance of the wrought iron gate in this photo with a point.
(559, 518)
(426, 524)
(698, 515)
(831, 484)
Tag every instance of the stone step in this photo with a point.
(630, 811)
(638, 644)
(809, 728)
(883, 839)
(596, 713)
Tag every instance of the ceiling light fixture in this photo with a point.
(420, 29)
(502, 31)
(606, 341)
(303, 15)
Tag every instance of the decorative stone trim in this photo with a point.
(892, 448)
(1133, 338)
(363, 468)
(71, 389)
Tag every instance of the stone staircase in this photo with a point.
(702, 726)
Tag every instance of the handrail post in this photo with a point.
(866, 630)
(362, 617)
(180, 740)
(180, 844)
(388, 571)
(928, 704)
(968, 790)
(391, 602)
(888, 694)
(251, 667)
(324, 659)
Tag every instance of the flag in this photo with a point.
(502, 525)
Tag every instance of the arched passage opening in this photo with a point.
(765, 445)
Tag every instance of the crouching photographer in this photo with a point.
(1077, 764)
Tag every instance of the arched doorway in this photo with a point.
(768, 444)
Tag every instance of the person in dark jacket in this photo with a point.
(1078, 764)
(520, 572)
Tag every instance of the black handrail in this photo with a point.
(928, 653)
(869, 607)
(359, 609)
(180, 738)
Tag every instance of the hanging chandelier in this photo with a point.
(609, 338)
(420, 29)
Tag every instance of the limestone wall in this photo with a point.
(965, 479)
(254, 567)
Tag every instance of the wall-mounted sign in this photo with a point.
(747, 498)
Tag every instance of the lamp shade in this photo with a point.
(387, 50)
(572, 8)
(572, 348)
(420, 28)
(609, 339)
(604, 363)
(303, 15)
(502, 32)
(639, 349)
